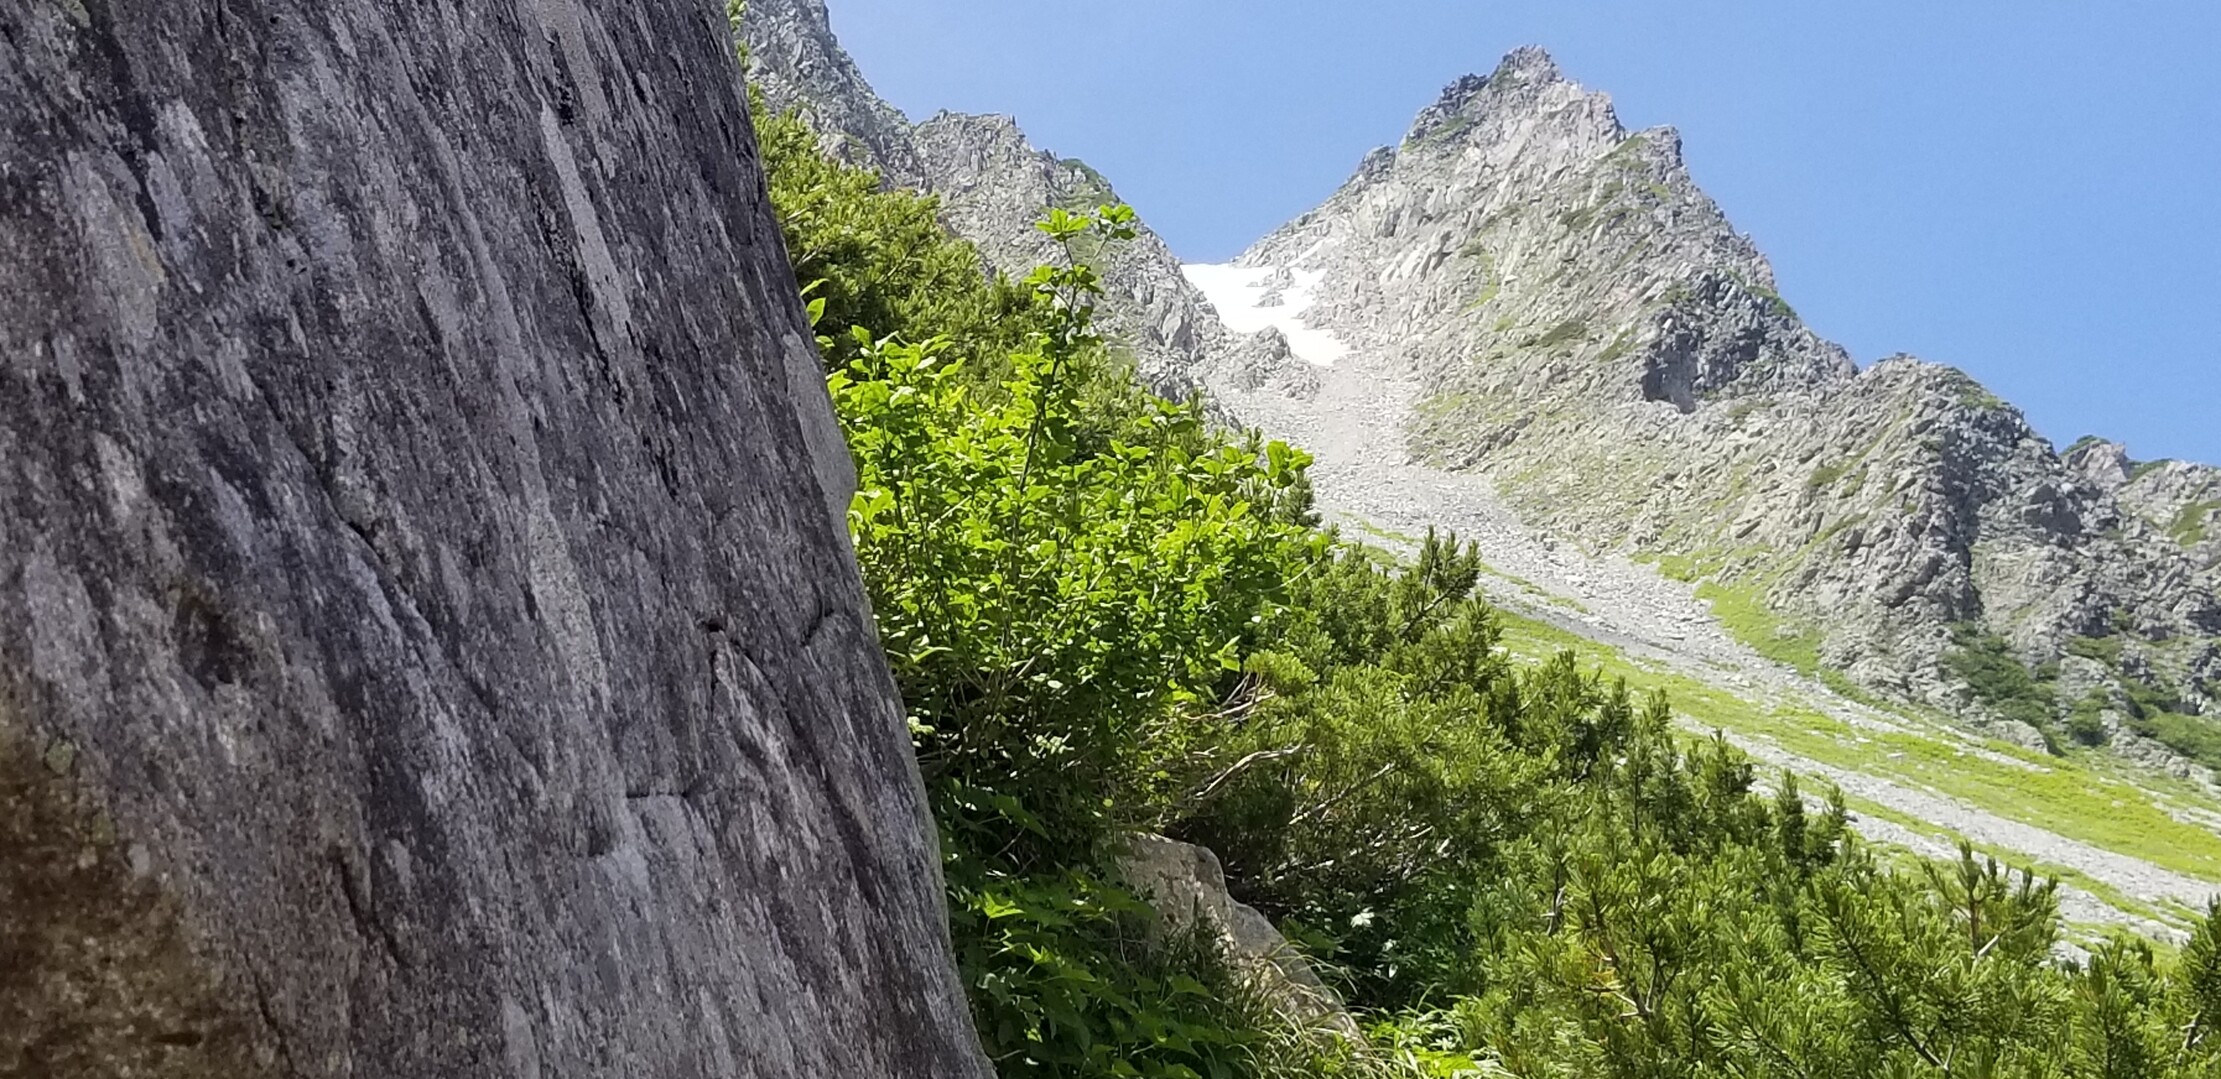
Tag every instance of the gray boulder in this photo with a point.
(1187, 887)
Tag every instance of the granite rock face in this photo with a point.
(428, 646)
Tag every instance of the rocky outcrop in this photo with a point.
(1587, 330)
(427, 644)
(1264, 361)
(1187, 886)
(993, 184)
(795, 61)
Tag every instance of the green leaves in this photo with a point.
(1078, 590)
(879, 260)
(1062, 224)
(1070, 977)
(1112, 222)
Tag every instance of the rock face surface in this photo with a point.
(427, 644)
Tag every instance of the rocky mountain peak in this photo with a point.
(1589, 333)
(795, 60)
(1527, 93)
(1456, 103)
(1528, 64)
(1525, 68)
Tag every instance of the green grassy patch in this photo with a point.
(2145, 468)
(1827, 476)
(1563, 333)
(2190, 526)
(1746, 617)
(2106, 650)
(1620, 345)
(1774, 302)
(1376, 531)
(2077, 796)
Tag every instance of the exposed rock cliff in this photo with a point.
(1187, 886)
(795, 60)
(427, 646)
(1585, 328)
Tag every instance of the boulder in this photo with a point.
(1187, 886)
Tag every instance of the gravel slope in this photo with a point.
(1366, 481)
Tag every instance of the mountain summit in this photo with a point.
(1528, 323)
(1579, 324)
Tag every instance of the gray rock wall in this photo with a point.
(427, 647)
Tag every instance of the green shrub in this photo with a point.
(1827, 476)
(2085, 724)
(2195, 737)
(2000, 679)
(2191, 526)
(2106, 650)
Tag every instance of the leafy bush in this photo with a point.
(1054, 616)
(2196, 737)
(2086, 725)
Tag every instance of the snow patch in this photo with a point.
(1238, 292)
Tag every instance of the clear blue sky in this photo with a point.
(2030, 191)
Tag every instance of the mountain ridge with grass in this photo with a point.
(1587, 330)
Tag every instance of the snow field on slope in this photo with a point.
(1245, 298)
